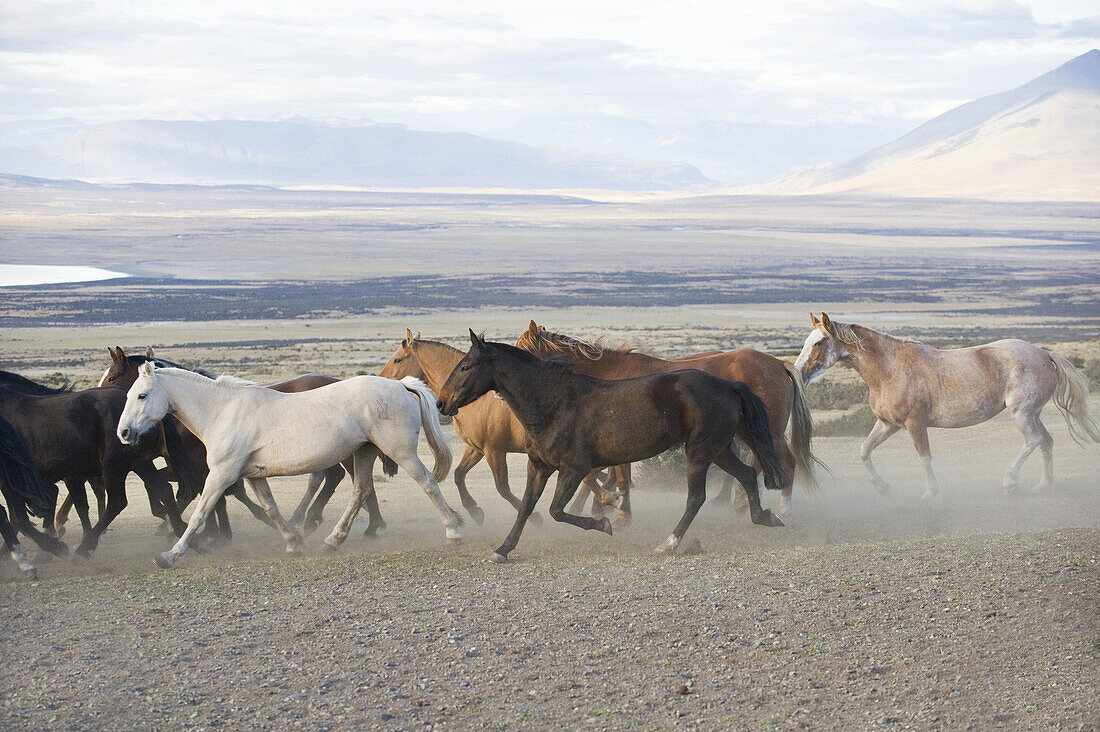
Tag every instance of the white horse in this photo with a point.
(916, 387)
(255, 433)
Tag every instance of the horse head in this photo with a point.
(146, 405)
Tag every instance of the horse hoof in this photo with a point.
(309, 528)
(373, 532)
(623, 520)
(59, 531)
(497, 558)
(30, 574)
(327, 548)
(882, 487)
(164, 560)
(477, 515)
(294, 551)
(775, 521)
(454, 541)
(605, 526)
(79, 558)
(59, 549)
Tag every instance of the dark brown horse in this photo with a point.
(123, 372)
(575, 423)
(776, 383)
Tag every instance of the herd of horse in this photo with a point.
(573, 407)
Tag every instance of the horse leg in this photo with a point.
(747, 477)
(114, 484)
(237, 491)
(786, 459)
(918, 430)
(471, 457)
(263, 494)
(77, 498)
(11, 542)
(697, 493)
(1035, 435)
(498, 464)
(333, 475)
(586, 489)
(410, 462)
(160, 493)
(215, 486)
(568, 480)
(299, 517)
(537, 475)
(62, 515)
(362, 484)
(878, 435)
(626, 482)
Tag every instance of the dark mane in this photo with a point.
(162, 363)
(559, 365)
(24, 385)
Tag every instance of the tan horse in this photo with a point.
(778, 386)
(916, 387)
(486, 425)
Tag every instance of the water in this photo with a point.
(44, 274)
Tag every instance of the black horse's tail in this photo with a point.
(19, 475)
(759, 437)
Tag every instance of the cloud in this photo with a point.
(1083, 28)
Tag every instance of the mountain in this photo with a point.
(1040, 141)
(306, 153)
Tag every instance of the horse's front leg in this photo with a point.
(217, 481)
(538, 473)
(918, 430)
(878, 435)
(568, 480)
(11, 542)
(471, 457)
(114, 483)
(298, 519)
(362, 485)
(263, 494)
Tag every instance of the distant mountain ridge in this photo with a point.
(300, 153)
(1039, 141)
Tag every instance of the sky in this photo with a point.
(487, 65)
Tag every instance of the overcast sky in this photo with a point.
(494, 63)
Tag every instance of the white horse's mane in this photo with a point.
(233, 382)
(226, 380)
(847, 335)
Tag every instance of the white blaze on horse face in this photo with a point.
(819, 352)
(146, 405)
(103, 379)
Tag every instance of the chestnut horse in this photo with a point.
(486, 425)
(779, 386)
(916, 387)
(575, 423)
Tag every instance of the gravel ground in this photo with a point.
(973, 612)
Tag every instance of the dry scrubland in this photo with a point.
(975, 610)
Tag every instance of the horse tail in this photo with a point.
(20, 477)
(1072, 397)
(802, 432)
(389, 467)
(758, 435)
(433, 430)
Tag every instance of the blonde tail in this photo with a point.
(429, 417)
(1072, 397)
(802, 432)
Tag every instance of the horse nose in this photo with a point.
(439, 404)
(124, 433)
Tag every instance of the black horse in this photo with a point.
(26, 494)
(71, 436)
(576, 423)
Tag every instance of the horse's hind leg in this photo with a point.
(697, 494)
(1035, 435)
(919, 432)
(315, 515)
(470, 458)
(568, 480)
(362, 486)
(114, 483)
(410, 462)
(878, 435)
(237, 491)
(263, 494)
(498, 464)
(747, 477)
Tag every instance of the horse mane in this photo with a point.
(557, 364)
(554, 344)
(233, 382)
(162, 363)
(846, 334)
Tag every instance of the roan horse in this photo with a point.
(123, 371)
(916, 387)
(255, 433)
(575, 423)
(777, 385)
(486, 425)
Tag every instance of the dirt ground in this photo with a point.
(972, 611)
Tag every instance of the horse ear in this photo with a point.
(476, 340)
(149, 352)
(409, 337)
(146, 368)
(533, 329)
(119, 355)
(813, 320)
(826, 322)
(417, 336)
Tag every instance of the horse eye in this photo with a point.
(113, 378)
(465, 368)
(397, 360)
(142, 396)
